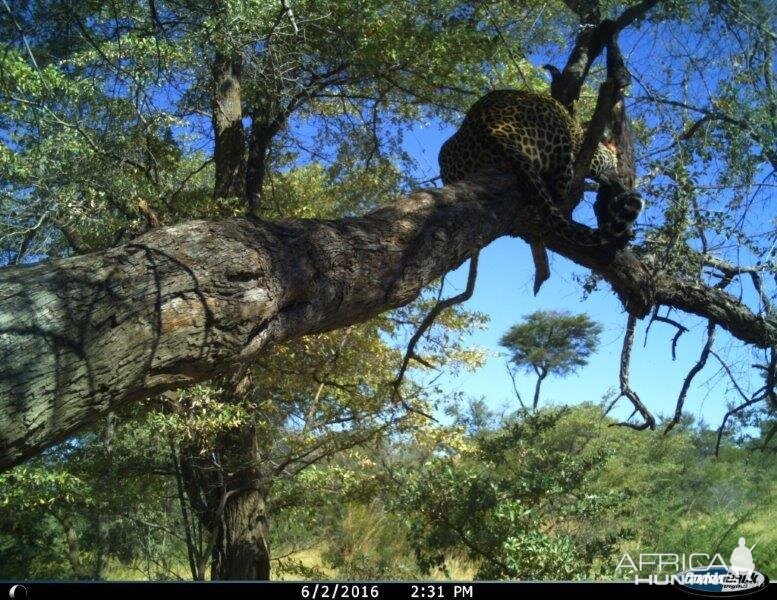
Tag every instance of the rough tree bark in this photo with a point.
(593, 37)
(242, 550)
(229, 493)
(258, 147)
(229, 137)
(242, 544)
(181, 304)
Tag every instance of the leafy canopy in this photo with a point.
(552, 342)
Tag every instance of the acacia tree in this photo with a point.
(197, 300)
(551, 343)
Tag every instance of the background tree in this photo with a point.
(551, 343)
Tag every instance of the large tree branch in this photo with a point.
(566, 85)
(178, 305)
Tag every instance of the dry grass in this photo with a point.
(311, 558)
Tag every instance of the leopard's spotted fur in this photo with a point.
(533, 136)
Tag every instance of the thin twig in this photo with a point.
(681, 329)
(29, 234)
(730, 375)
(290, 13)
(515, 386)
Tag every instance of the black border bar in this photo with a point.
(335, 590)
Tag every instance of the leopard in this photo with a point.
(535, 137)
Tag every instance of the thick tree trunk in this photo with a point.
(228, 492)
(229, 497)
(229, 137)
(242, 548)
(101, 550)
(258, 146)
(178, 305)
(80, 571)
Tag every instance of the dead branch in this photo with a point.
(591, 40)
(727, 369)
(515, 386)
(681, 329)
(731, 412)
